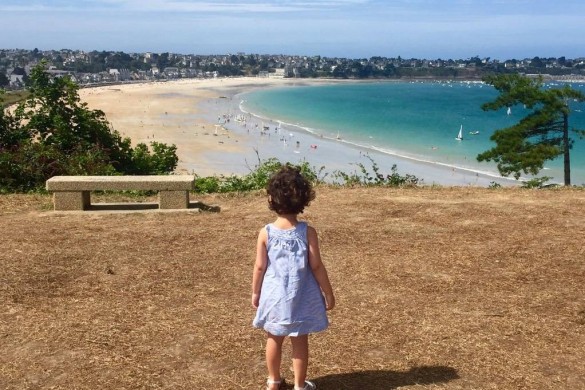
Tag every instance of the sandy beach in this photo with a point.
(203, 119)
(183, 113)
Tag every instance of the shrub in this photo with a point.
(537, 182)
(259, 175)
(51, 132)
(375, 178)
(257, 179)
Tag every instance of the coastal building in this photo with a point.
(171, 72)
(278, 73)
(16, 80)
(120, 74)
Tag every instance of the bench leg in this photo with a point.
(68, 201)
(173, 199)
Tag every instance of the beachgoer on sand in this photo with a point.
(290, 286)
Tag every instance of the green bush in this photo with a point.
(257, 179)
(51, 132)
(537, 182)
(375, 178)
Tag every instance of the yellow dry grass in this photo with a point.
(451, 288)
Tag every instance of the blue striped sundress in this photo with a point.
(291, 302)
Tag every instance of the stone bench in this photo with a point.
(73, 192)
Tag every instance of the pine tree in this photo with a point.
(542, 135)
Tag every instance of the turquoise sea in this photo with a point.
(418, 120)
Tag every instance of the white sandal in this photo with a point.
(308, 386)
(280, 383)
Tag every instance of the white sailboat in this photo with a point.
(460, 135)
(509, 111)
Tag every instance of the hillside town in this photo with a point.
(102, 67)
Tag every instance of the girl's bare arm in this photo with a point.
(259, 266)
(319, 268)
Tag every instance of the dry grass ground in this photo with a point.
(436, 288)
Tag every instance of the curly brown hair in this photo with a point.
(288, 191)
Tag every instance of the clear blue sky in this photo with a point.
(458, 29)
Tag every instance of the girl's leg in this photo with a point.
(273, 356)
(300, 356)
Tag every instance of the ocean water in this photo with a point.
(417, 120)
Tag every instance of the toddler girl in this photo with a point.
(290, 287)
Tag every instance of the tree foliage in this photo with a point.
(541, 135)
(4, 81)
(53, 133)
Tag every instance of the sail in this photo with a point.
(460, 135)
